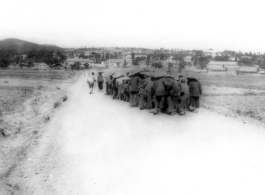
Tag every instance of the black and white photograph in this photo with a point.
(122, 97)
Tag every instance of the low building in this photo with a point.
(210, 52)
(187, 58)
(114, 63)
(248, 70)
(128, 58)
(71, 61)
(261, 71)
(59, 66)
(190, 69)
(14, 66)
(246, 57)
(232, 58)
(99, 66)
(170, 59)
(40, 66)
(140, 56)
(220, 65)
(217, 69)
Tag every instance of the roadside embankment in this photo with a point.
(26, 104)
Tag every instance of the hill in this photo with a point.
(23, 46)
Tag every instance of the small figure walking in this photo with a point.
(91, 82)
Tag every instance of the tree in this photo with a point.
(82, 55)
(221, 58)
(262, 64)
(4, 63)
(197, 56)
(246, 61)
(157, 64)
(148, 60)
(86, 65)
(115, 55)
(30, 64)
(136, 61)
(169, 66)
(182, 65)
(125, 63)
(203, 61)
(132, 56)
(75, 66)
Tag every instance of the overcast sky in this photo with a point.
(186, 24)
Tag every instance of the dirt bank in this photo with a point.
(26, 105)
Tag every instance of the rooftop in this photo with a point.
(248, 69)
(78, 60)
(222, 63)
(116, 60)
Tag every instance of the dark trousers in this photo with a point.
(100, 85)
(170, 103)
(185, 101)
(114, 92)
(107, 88)
(160, 102)
(195, 101)
(134, 98)
(146, 100)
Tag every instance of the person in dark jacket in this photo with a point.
(107, 84)
(134, 90)
(100, 81)
(185, 96)
(110, 85)
(160, 85)
(172, 91)
(146, 97)
(195, 92)
(126, 91)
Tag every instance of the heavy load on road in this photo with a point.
(156, 91)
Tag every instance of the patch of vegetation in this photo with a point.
(64, 98)
(3, 133)
(47, 118)
(56, 104)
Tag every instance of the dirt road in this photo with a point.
(96, 145)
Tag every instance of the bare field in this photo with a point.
(26, 104)
(240, 96)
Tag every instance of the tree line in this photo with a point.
(50, 57)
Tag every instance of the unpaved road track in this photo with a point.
(99, 146)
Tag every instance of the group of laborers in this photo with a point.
(158, 90)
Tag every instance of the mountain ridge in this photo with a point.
(22, 46)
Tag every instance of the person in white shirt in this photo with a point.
(91, 81)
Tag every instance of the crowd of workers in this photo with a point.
(152, 90)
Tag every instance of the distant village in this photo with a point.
(200, 61)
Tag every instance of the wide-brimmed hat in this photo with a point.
(168, 76)
(146, 73)
(117, 75)
(159, 74)
(192, 78)
(134, 72)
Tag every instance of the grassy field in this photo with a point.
(16, 86)
(36, 74)
(234, 95)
